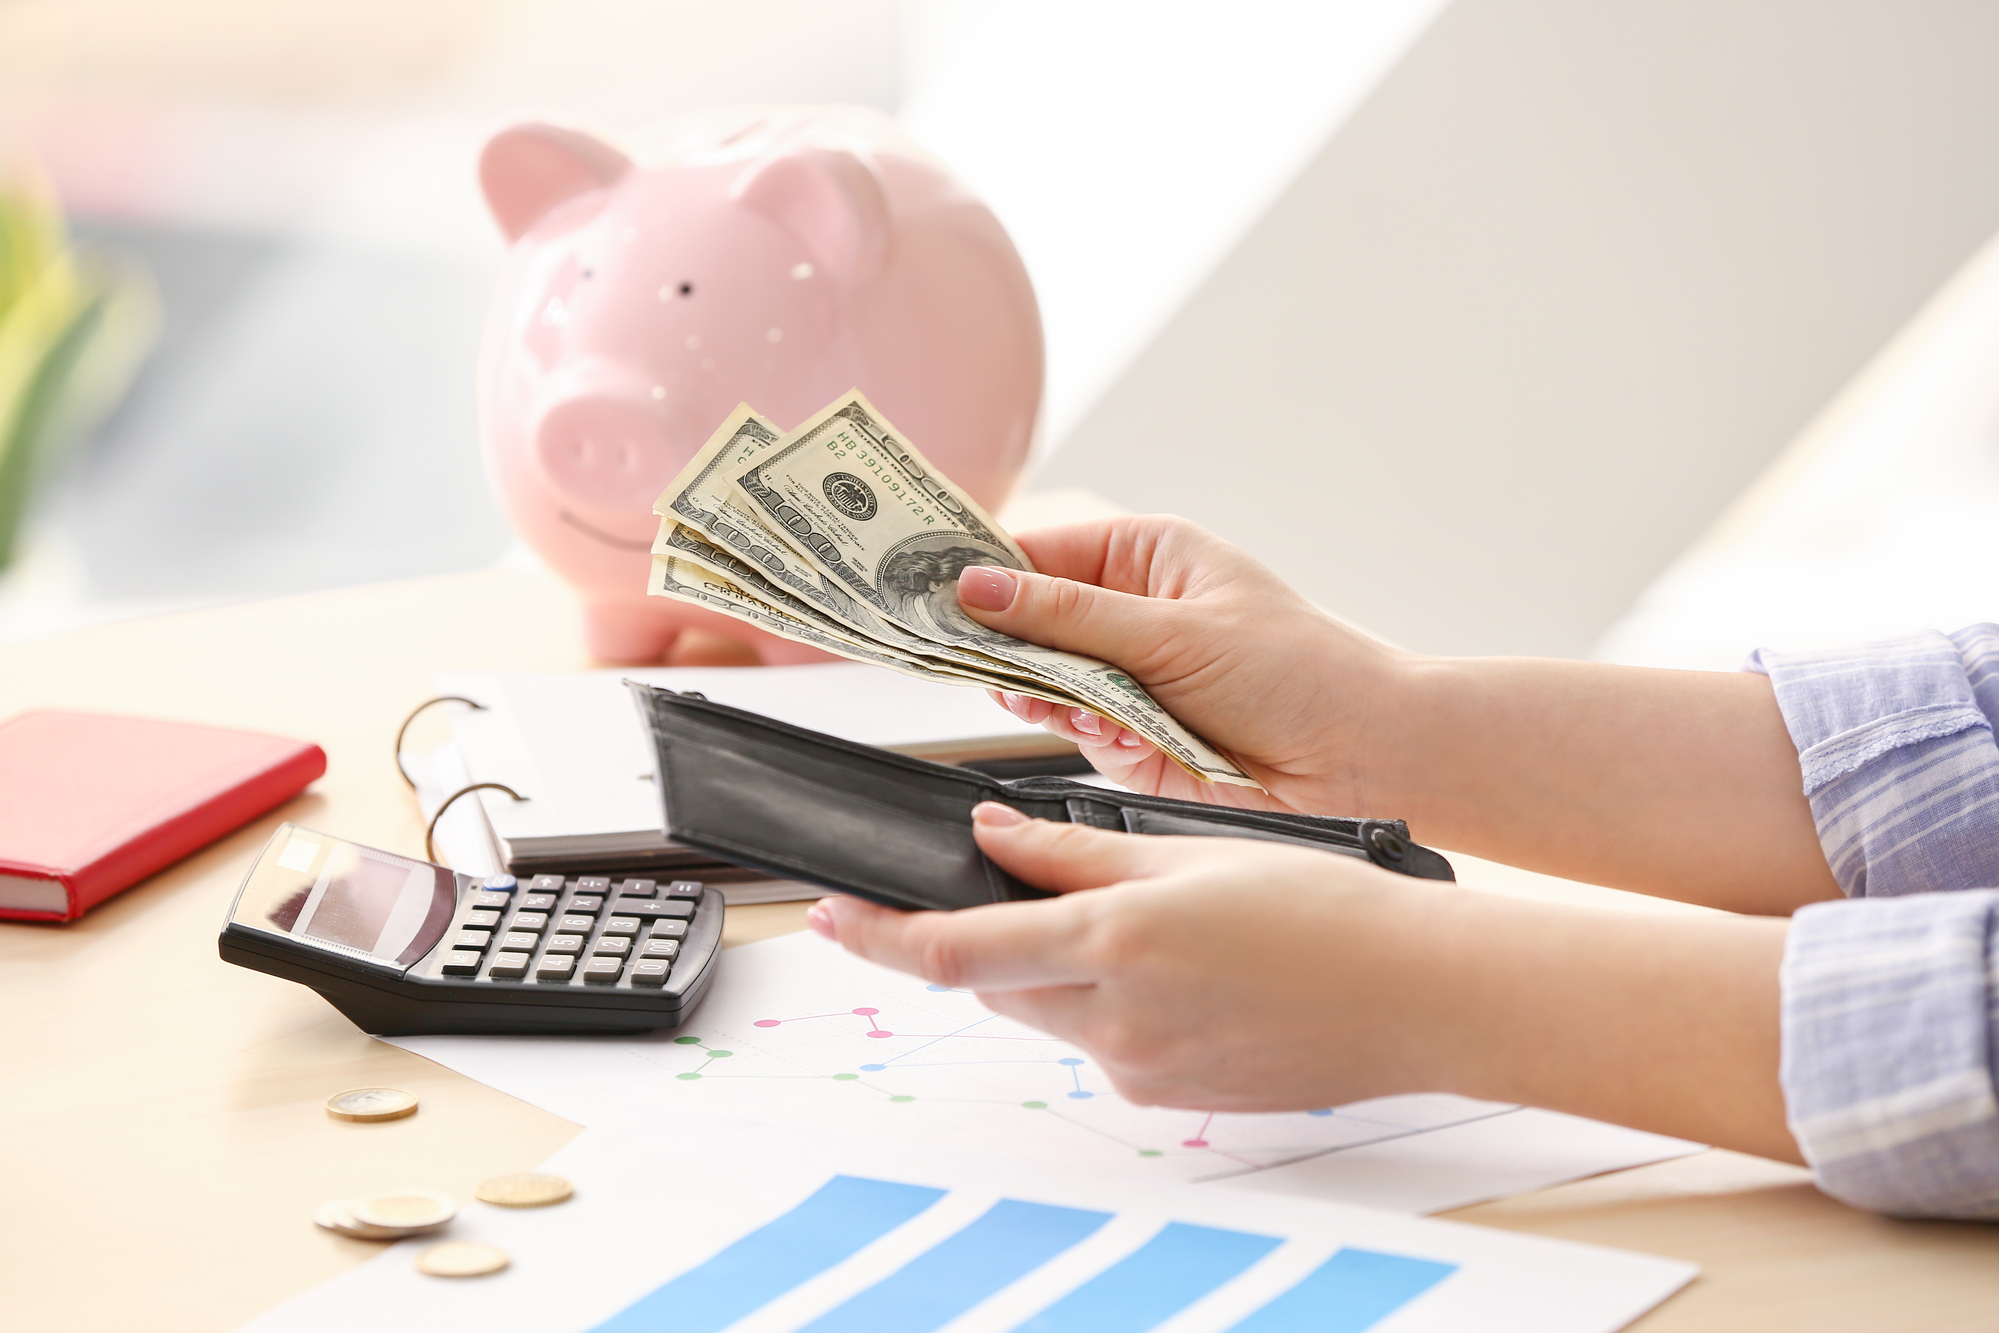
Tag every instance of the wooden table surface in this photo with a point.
(166, 1144)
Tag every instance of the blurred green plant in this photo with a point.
(74, 326)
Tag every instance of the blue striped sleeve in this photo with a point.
(1895, 740)
(1889, 1051)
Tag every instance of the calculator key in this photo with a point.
(616, 946)
(537, 902)
(583, 904)
(529, 921)
(685, 888)
(593, 884)
(554, 967)
(669, 930)
(654, 907)
(580, 925)
(471, 939)
(565, 944)
(639, 888)
(545, 884)
(661, 949)
(649, 972)
(520, 939)
(622, 925)
(602, 971)
(485, 918)
(460, 963)
(509, 965)
(487, 898)
(501, 883)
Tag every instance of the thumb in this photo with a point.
(1074, 617)
(1067, 857)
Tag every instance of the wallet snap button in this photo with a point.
(1385, 842)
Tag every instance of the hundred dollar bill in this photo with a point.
(768, 606)
(704, 500)
(856, 499)
(674, 578)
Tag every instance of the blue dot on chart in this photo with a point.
(1080, 1095)
(1068, 1060)
(873, 1069)
(937, 988)
(1324, 1110)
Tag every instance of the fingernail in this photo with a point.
(1083, 720)
(820, 918)
(1130, 741)
(1015, 704)
(994, 815)
(984, 588)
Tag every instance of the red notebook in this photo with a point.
(91, 804)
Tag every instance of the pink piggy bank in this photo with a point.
(773, 256)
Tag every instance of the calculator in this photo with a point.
(405, 947)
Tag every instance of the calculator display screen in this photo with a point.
(325, 891)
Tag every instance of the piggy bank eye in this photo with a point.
(687, 289)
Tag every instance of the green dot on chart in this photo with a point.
(1035, 1106)
(720, 1055)
(687, 1041)
(686, 1076)
(1150, 1152)
(902, 1097)
(845, 1078)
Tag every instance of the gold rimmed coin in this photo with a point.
(523, 1191)
(406, 1210)
(367, 1105)
(461, 1258)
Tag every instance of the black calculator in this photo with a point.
(404, 947)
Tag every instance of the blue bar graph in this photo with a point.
(844, 1215)
(1352, 1291)
(1008, 1241)
(1178, 1266)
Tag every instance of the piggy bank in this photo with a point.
(774, 256)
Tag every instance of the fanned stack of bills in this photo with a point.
(842, 536)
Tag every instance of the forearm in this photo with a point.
(1669, 1024)
(1682, 784)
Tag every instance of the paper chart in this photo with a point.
(796, 1031)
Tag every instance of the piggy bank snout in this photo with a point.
(604, 448)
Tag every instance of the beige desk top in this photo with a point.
(166, 1145)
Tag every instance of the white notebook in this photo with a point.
(573, 746)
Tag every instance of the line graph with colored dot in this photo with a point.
(1069, 1080)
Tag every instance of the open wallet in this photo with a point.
(799, 804)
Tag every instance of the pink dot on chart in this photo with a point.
(1195, 1143)
(881, 1032)
(767, 1022)
(867, 1013)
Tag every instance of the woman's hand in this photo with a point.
(1581, 769)
(1221, 642)
(1219, 974)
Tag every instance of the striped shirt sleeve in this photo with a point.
(1889, 1035)
(1889, 1048)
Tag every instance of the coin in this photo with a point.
(523, 1191)
(406, 1210)
(461, 1258)
(367, 1105)
(339, 1216)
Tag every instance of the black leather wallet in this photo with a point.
(803, 805)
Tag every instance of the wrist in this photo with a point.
(1397, 735)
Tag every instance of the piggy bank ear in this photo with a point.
(526, 170)
(830, 200)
